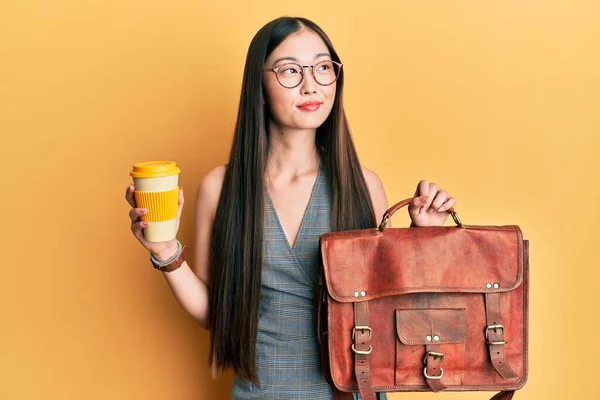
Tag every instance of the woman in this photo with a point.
(293, 174)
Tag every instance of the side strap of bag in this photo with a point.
(494, 333)
(361, 334)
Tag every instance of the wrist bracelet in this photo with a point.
(170, 260)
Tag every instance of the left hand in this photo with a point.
(430, 204)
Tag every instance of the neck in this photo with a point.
(292, 152)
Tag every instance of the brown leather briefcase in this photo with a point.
(424, 309)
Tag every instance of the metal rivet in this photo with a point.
(436, 338)
(496, 286)
(428, 338)
(355, 294)
(488, 285)
(363, 293)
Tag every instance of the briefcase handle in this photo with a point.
(388, 214)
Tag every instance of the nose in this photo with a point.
(308, 85)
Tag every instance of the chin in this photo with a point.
(307, 125)
(310, 122)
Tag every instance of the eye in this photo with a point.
(289, 69)
(323, 66)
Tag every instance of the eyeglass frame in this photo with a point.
(302, 67)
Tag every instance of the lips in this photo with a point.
(310, 106)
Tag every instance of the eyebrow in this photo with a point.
(296, 60)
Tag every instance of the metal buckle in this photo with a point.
(365, 352)
(495, 328)
(433, 354)
(363, 329)
(433, 377)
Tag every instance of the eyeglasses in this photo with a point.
(291, 75)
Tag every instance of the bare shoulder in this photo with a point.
(371, 177)
(209, 190)
(374, 184)
(378, 196)
(207, 201)
(214, 179)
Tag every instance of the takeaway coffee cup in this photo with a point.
(157, 190)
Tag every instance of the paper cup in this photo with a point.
(157, 190)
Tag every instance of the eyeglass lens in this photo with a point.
(290, 75)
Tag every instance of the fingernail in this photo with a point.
(143, 211)
(421, 210)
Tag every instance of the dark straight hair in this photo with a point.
(237, 243)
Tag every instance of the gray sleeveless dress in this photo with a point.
(287, 350)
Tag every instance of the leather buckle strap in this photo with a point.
(494, 335)
(362, 328)
(433, 354)
(440, 376)
(361, 335)
(433, 364)
(365, 352)
(495, 329)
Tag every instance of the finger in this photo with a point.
(180, 202)
(129, 196)
(440, 199)
(181, 198)
(420, 201)
(450, 202)
(422, 189)
(136, 213)
(137, 227)
(433, 189)
(421, 195)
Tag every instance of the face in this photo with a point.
(307, 105)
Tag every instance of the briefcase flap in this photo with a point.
(367, 264)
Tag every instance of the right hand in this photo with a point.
(160, 250)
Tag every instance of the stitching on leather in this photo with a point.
(373, 296)
(459, 388)
(525, 319)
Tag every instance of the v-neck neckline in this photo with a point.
(303, 221)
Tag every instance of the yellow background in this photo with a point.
(497, 101)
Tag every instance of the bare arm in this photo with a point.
(190, 285)
(378, 197)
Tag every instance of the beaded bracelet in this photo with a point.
(170, 260)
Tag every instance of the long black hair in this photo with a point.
(237, 243)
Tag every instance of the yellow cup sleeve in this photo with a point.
(161, 206)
